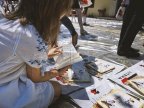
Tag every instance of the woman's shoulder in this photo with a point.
(13, 29)
(30, 31)
(14, 26)
(9, 25)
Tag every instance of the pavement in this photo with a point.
(100, 43)
(103, 39)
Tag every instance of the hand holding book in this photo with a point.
(69, 56)
(54, 52)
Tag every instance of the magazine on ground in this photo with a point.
(132, 79)
(118, 99)
(101, 68)
(95, 92)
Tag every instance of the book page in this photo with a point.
(95, 92)
(103, 69)
(101, 66)
(68, 57)
(68, 52)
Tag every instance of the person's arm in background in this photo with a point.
(68, 24)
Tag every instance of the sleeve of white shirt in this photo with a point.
(32, 49)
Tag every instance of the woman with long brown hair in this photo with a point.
(27, 28)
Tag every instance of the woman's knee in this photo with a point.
(57, 89)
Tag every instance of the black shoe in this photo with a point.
(134, 50)
(141, 29)
(128, 54)
(85, 24)
(83, 32)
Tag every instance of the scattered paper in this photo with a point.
(131, 77)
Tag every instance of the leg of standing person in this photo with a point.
(77, 8)
(85, 13)
(85, 16)
(79, 15)
(132, 30)
(130, 8)
(68, 24)
(126, 20)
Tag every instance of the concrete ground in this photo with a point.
(103, 40)
(101, 43)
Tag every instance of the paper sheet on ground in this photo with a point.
(105, 69)
(126, 75)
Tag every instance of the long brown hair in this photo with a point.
(43, 14)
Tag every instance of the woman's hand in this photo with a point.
(54, 51)
(35, 74)
(63, 75)
(60, 72)
(63, 70)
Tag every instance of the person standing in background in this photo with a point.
(132, 22)
(85, 10)
(76, 6)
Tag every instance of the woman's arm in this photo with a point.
(35, 75)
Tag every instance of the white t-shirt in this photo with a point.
(20, 45)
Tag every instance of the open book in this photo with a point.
(68, 57)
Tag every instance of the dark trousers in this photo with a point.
(68, 24)
(132, 22)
